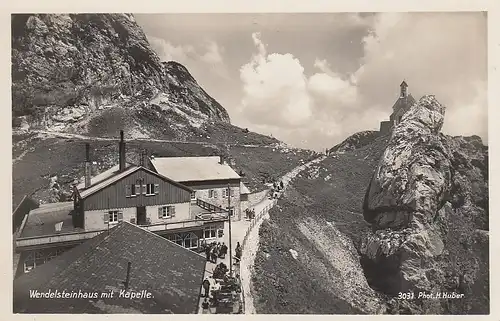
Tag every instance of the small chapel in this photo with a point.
(400, 107)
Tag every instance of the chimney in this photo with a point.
(121, 148)
(88, 166)
(221, 160)
(127, 280)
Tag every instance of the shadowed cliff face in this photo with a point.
(427, 204)
(84, 62)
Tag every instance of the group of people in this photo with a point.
(277, 187)
(214, 251)
(250, 213)
(218, 287)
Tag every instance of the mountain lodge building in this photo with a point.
(126, 192)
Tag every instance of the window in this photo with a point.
(193, 196)
(210, 232)
(187, 240)
(112, 217)
(231, 211)
(190, 241)
(211, 193)
(34, 259)
(166, 211)
(133, 190)
(152, 189)
(226, 192)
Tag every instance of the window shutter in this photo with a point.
(127, 190)
(137, 189)
(120, 216)
(215, 194)
(172, 211)
(144, 189)
(106, 218)
(157, 188)
(160, 212)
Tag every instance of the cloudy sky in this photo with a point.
(311, 80)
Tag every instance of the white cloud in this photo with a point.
(208, 55)
(275, 88)
(280, 98)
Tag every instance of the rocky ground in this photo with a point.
(409, 213)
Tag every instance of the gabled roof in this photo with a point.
(405, 102)
(102, 176)
(185, 169)
(170, 272)
(118, 176)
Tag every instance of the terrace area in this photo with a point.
(51, 224)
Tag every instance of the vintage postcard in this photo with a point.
(328, 163)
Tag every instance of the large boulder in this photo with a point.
(427, 203)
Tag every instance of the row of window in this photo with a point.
(146, 189)
(116, 216)
(226, 192)
(190, 240)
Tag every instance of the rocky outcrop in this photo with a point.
(355, 141)
(85, 62)
(427, 204)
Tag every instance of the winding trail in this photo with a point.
(111, 139)
(252, 241)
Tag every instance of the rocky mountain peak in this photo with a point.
(90, 61)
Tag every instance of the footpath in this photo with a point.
(251, 237)
(246, 232)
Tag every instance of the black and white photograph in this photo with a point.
(321, 163)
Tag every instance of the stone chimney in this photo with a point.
(88, 166)
(221, 160)
(121, 152)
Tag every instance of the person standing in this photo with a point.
(205, 306)
(207, 252)
(214, 255)
(206, 288)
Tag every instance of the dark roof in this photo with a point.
(170, 272)
(405, 103)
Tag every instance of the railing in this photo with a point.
(209, 207)
(254, 221)
(58, 238)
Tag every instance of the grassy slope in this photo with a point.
(64, 158)
(297, 288)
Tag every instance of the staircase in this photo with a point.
(209, 207)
